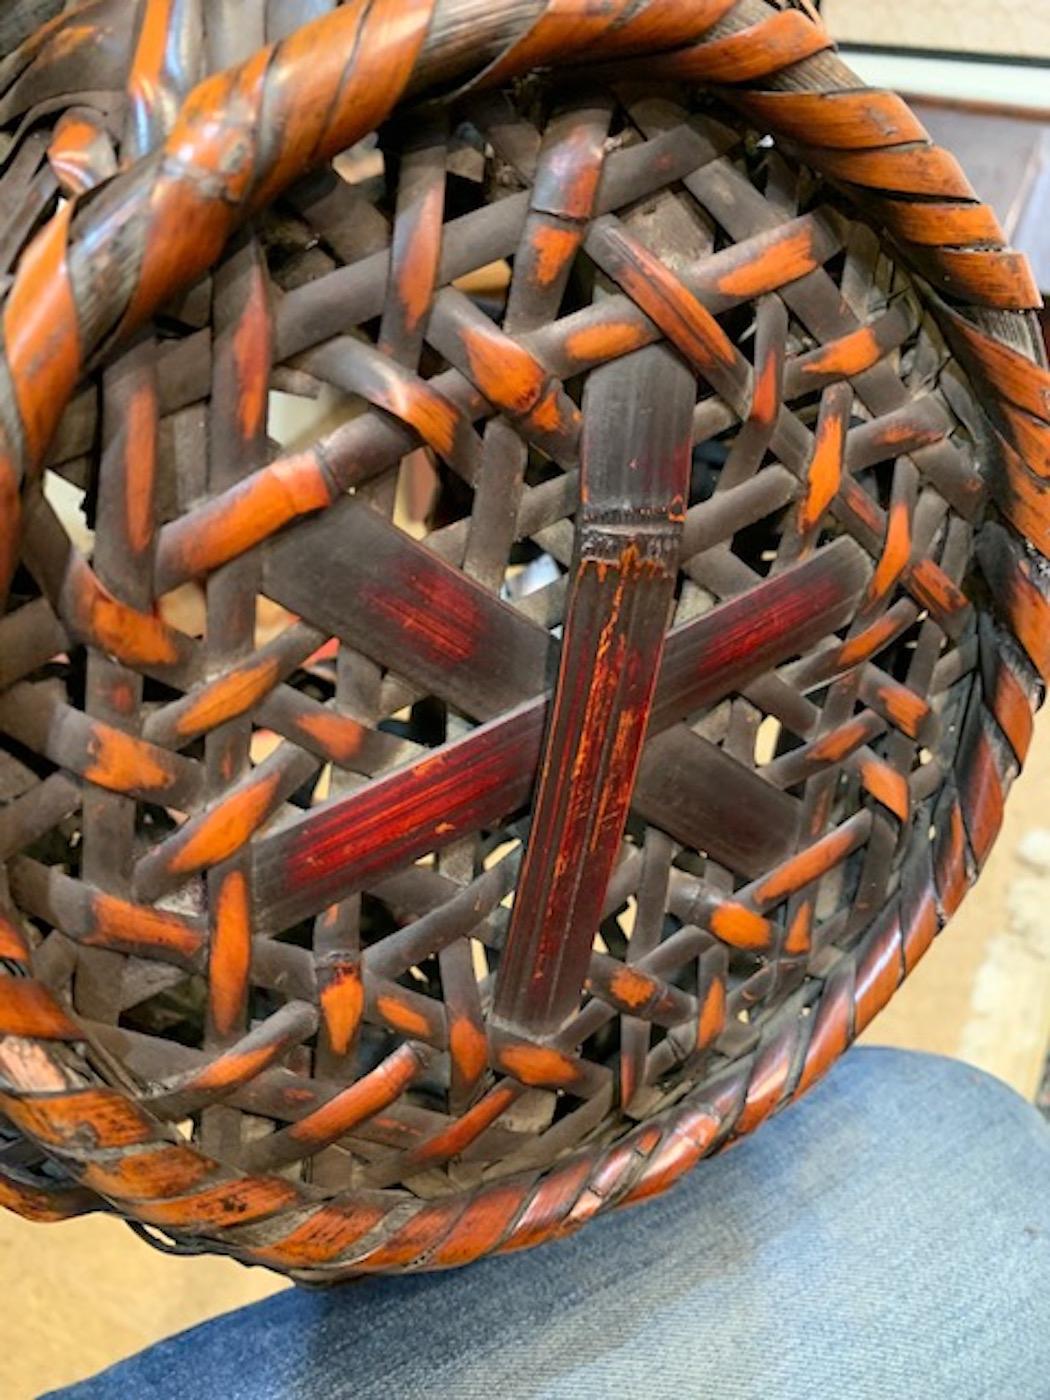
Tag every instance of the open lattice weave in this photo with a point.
(383, 892)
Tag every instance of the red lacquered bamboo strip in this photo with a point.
(491, 771)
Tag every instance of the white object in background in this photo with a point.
(978, 26)
(1000, 84)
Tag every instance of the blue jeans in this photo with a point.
(886, 1239)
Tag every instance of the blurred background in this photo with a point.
(977, 70)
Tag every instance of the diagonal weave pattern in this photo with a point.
(377, 897)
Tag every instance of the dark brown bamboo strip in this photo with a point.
(633, 485)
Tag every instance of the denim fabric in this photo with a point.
(886, 1239)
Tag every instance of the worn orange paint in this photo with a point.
(1023, 497)
(413, 1239)
(437, 421)
(251, 358)
(678, 1153)
(338, 736)
(342, 76)
(981, 790)
(417, 1238)
(236, 1067)
(863, 506)
(755, 52)
(825, 470)
(146, 75)
(124, 696)
(226, 698)
(834, 747)
(416, 259)
(230, 955)
(711, 1021)
(850, 355)
(1013, 710)
(830, 1037)
(29, 1008)
(229, 1203)
(462, 1131)
(99, 1116)
(1029, 614)
(667, 301)
(740, 927)
(787, 257)
(577, 158)
(324, 1234)
(66, 39)
(122, 763)
(908, 711)
(548, 1210)
(191, 220)
(767, 392)
(920, 930)
(241, 517)
(505, 373)
(766, 1088)
(540, 1066)
(43, 1207)
(871, 640)
(220, 832)
(136, 638)
(594, 345)
(605, 29)
(41, 339)
(364, 1098)
(615, 1164)
(887, 786)
(985, 276)
(78, 154)
(555, 413)
(950, 862)
(1008, 372)
(342, 1000)
(879, 975)
(469, 1047)
(1031, 437)
(846, 120)
(925, 170)
(402, 1017)
(935, 222)
(800, 931)
(13, 944)
(631, 988)
(808, 865)
(165, 1170)
(553, 248)
(480, 1228)
(933, 588)
(138, 926)
(321, 63)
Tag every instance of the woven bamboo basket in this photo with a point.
(385, 886)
